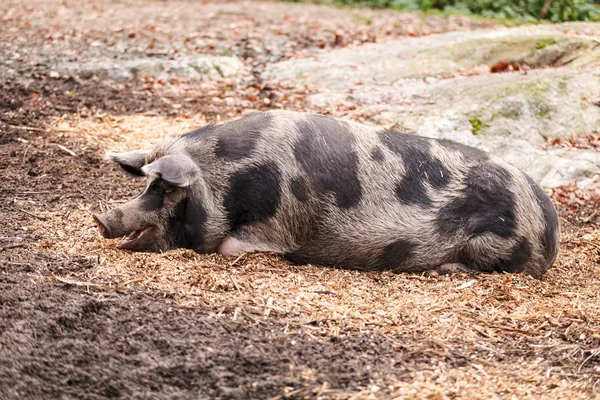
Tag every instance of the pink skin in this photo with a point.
(231, 246)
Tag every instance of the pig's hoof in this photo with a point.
(450, 268)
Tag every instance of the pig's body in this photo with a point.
(331, 192)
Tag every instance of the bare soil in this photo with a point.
(82, 319)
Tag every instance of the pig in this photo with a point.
(324, 191)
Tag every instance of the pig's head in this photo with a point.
(164, 216)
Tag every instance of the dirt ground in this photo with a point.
(81, 319)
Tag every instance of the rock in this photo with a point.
(533, 106)
(451, 127)
(440, 55)
(191, 67)
(416, 84)
(550, 167)
(511, 115)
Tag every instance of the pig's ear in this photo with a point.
(176, 170)
(131, 161)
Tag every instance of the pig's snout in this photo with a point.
(103, 227)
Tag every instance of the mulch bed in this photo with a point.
(82, 319)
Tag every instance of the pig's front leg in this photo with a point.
(255, 237)
(231, 246)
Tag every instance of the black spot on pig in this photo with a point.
(377, 154)
(299, 189)
(175, 229)
(307, 254)
(325, 152)
(469, 153)
(195, 224)
(485, 205)
(411, 191)
(132, 169)
(231, 147)
(521, 255)
(237, 140)
(396, 254)
(549, 239)
(254, 194)
(131, 161)
(153, 198)
(517, 262)
(422, 168)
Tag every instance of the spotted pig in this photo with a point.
(325, 191)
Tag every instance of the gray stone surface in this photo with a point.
(439, 55)
(191, 67)
(420, 84)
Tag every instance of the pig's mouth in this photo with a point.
(142, 238)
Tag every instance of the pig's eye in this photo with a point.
(155, 186)
(160, 187)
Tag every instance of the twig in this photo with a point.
(39, 192)
(25, 153)
(66, 130)
(535, 330)
(592, 243)
(323, 292)
(27, 128)
(291, 394)
(64, 108)
(295, 392)
(594, 354)
(418, 278)
(466, 285)
(13, 246)
(480, 331)
(136, 330)
(237, 259)
(32, 214)
(234, 283)
(45, 130)
(580, 241)
(132, 281)
(590, 217)
(504, 328)
(68, 151)
(88, 284)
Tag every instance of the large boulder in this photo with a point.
(440, 55)
(440, 86)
